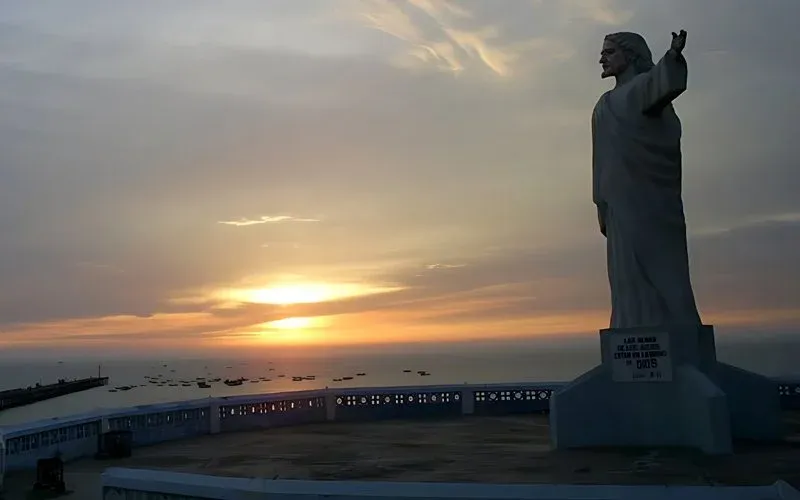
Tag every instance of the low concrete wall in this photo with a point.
(130, 484)
(79, 436)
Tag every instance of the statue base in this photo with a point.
(663, 387)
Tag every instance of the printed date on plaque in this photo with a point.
(640, 357)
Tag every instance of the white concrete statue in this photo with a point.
(659, 382)
(636, 168)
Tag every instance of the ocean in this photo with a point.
(484, 365)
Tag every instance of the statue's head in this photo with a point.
(625, 50)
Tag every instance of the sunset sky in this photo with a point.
(208, 175)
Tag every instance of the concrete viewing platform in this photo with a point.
(480, 449)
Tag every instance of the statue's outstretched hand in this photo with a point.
(678, 41)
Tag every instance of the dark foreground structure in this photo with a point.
(28, 395)
(508, 449)
(351, 443)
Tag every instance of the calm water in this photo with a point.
(772, 359)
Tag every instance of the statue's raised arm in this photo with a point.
(666, 80)
(626, 56)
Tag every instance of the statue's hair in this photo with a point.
(635, 48)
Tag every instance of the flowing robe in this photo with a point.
(636, 169)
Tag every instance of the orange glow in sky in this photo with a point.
(294, 323)
(291, 331)
(300, 293)
(432, 188)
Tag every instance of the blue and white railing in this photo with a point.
(79, 436)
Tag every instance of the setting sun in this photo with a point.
(293, 330)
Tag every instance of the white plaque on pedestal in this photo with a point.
(643, 357)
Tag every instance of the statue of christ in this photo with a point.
(636, 169)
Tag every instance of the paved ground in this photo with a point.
(479, 449)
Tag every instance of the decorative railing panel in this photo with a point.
(790, 394)
(159, 426)
(370, 405)
(271, 413)
(511, 400)
(70, 441)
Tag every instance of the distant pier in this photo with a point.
(33, 394)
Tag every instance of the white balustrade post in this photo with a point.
(105, 425)
(467, 401)
(213, 417)
(330, 405)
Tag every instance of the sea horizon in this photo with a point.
(460, 364)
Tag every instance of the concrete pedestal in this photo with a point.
(664, 387)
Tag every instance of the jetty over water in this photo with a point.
(13, 398)
(471, 441)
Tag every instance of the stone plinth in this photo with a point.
(663, 387)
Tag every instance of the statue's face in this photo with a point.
(612, 59)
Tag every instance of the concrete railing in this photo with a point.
(79, 436)
(137, 484)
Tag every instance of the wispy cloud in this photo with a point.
(444, 266)
(598, 11)
(441, 34)
(266, 219)
(441, 9)
(750, 222)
